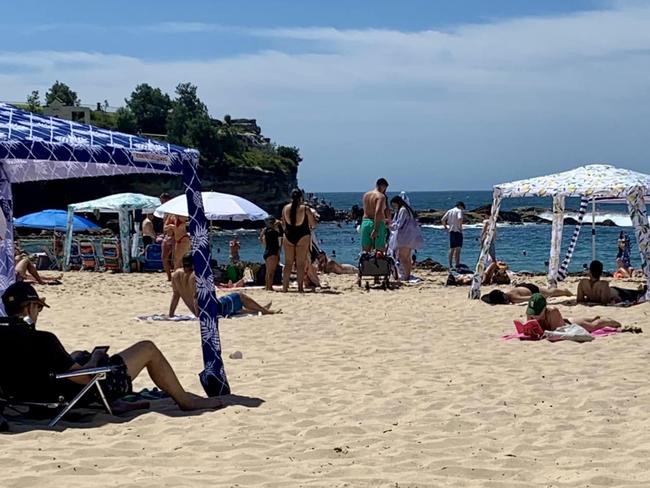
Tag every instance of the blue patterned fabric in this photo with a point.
(38, 148)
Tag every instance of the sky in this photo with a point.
(431, 94)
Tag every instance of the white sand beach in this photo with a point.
(408, 388)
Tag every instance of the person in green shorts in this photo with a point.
(373, 225)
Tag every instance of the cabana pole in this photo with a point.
(475, 290)
(556, 240)
(593, 229)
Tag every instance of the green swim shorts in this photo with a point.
(367, 226)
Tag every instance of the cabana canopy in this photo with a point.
(121, 204)
(588, 182)
(36, 148)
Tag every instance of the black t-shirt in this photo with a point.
(272, 241)
(28, 359)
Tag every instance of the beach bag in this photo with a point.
(500, 276)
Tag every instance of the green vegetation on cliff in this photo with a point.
(184, 119)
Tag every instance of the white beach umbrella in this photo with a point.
(217, 206)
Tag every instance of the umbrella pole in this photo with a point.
(593, 229)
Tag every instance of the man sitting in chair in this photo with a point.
(184, 287)
(33, 368)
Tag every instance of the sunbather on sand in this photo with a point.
(25, 267)
(595, 290)
(521, 293)
(550, 318)
(326, 265)
(184, 287)
(21, 301)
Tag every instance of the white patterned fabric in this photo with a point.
(35, 148)
(593, 181)
(556, 239)
(639, 216)
(475, 289)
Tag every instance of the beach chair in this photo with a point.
(152, 258)
(13, 334)
(112, 255)
(88, 255)
(75, 256)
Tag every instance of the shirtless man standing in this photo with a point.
(184, 287)
(373, 225)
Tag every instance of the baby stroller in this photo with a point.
(377, 265)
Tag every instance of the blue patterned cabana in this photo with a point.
(37, 148)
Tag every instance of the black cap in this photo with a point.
(16, 295)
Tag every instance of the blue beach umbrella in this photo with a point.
(54, 220)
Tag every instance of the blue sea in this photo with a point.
(523, 247)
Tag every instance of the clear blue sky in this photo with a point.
(432, 94)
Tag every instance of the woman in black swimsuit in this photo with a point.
(270, 237)
(297, 220)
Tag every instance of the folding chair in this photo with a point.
(88, 255)
(61, 404)
(112, 255)
(152, 258)
(14, 335)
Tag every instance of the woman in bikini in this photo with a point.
(297, 221)
(182, 243)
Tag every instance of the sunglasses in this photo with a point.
(38, 305)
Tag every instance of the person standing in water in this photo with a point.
(453, 222)
(373, 225)
(270, 238)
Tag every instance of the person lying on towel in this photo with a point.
(550, 318)
(595, 290)
(521, 293)
(47, 356)
(184, 287)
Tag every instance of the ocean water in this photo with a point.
(523, 247)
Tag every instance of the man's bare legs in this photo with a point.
(271, 266)
(289, 259)
(457, 255)
(145, 354)
(251, 305)
(596, 323)
(555, 292)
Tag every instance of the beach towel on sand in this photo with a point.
(161, 317)
(530, 331)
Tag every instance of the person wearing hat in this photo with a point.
(44, 356)
(550, 318)
(521, 293)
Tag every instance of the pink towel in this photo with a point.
(605, 331)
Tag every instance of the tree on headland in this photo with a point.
(63, 93)
(125, 121)
(149, 107)
(290, 152)
(34, 101)
(189, 124)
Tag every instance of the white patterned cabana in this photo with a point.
(591, 182)
(122, 204)
(38, 148)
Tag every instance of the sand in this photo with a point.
(399, 389)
